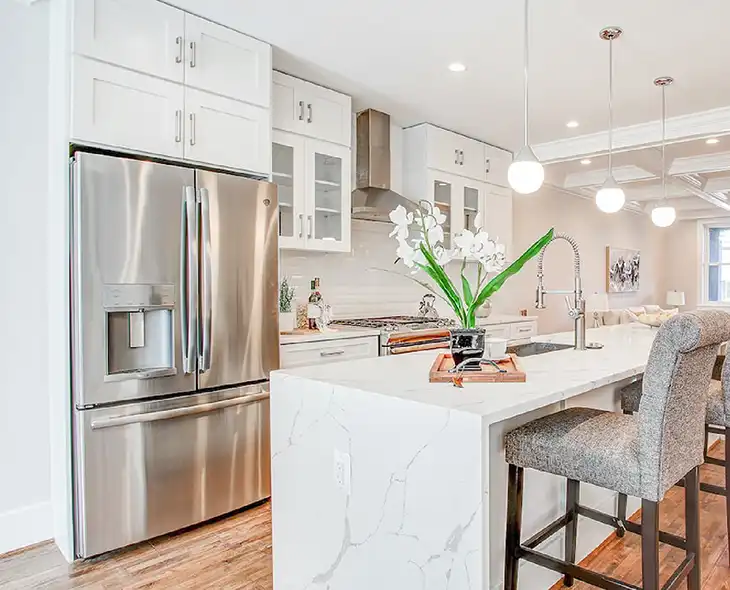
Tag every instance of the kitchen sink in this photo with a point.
(534, 348)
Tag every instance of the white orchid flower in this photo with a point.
(401, 219)
(479, 221)
(410, 254)
(435, 235)
(443, 256)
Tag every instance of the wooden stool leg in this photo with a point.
(649, 545)
(515, 484)
(572, 498)
(707, 440)
(692, 525)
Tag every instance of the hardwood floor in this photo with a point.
(231, 553)
(621, 558)
(235, 553)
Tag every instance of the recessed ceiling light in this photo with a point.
(572, 124)
(457, 67)
(712, 141)
(585, 162)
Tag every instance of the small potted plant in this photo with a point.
(420, 238)
(287, 318)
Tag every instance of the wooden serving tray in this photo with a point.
(439, 372)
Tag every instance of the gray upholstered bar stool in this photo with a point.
(717, 421)
(641, 455)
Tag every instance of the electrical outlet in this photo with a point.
(342, 471)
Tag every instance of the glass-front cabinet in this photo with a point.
(459, 198)
(314, 193)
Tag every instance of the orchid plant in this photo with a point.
(420, 237)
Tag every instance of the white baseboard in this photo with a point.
(25, 526)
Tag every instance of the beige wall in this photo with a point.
(579, 218)
(682, 261)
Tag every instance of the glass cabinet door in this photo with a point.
(328, 215)
(442, 198)
(288, 174)
(472, 205)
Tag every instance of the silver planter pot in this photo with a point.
(467, 343)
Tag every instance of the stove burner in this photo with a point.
(397, 323)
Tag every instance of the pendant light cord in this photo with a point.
(527, 68)
(610, 107)
(664, 143)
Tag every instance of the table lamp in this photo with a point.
(675, 298)
(596, 303)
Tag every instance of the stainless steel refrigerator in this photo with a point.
(174, 333)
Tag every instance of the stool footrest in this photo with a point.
(715, 429)
(715, 461)
(548, 531)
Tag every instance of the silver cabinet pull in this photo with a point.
(206, 296)
(193, 51)
(192, 128)
(179, 42)
(309, 109)
(188, 278)
(301, 110)
(461, 157)
(331, 353)
(310, 223)
(113, 421)
(178, 126)
(301, 225)
(488, 165)
(456, 157)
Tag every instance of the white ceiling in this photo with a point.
(393, 55)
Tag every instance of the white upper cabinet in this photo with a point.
(498, 216)
(116, 107)
(142, 35)
(454, 153)
(223, 61)
(311, 110)
(498, 162)
(225, 132)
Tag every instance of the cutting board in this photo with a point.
(439, 372)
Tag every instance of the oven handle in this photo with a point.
(142, 418)
(414, 344)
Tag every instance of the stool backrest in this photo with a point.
(672, 411)
(725, 379)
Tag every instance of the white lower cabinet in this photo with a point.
(498, 331)
(123, 109)
(226, 132)
(328, 351)
(513, 331)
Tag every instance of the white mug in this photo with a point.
(495, 348)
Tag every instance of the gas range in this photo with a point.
(404, 333)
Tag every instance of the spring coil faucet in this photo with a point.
(576, 309)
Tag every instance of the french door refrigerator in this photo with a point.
(174, 332)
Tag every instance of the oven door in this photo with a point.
(417, 340)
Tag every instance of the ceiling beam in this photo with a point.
(718, 184)
(598, 177)
(693, 126)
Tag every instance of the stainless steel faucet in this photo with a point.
(576, 309)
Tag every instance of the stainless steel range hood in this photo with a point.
(372, 199)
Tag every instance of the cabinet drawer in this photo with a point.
(523, 330)
(320, 353)
(499, 331)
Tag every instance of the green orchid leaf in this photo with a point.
(496, 283)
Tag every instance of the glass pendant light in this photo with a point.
(526, 174)
(610, 197)
(663, 214)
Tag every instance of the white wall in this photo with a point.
(25, 508)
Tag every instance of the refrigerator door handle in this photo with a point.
(206, 304)
(142, 418)
(188, 278)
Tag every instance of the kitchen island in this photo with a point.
(382, 480)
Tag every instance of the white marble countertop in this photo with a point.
(338, 333)
(551, 377)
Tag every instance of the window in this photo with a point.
(716, 275)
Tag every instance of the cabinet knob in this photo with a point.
(301, 110)
(309, 109)
(456, 157)
(193, 56)
(488, 165)
(179, 42)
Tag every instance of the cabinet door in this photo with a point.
(288, 107)
(497, 164)
(474, 195)
(225, 132)
(287, 165)
(328, 196)
(472, 158)
(442, 150)
(143, 35)
(226, 62)
(446, 193)
(118, 108)
(328, 114)
(498, 216)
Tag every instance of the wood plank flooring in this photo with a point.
(235, 553)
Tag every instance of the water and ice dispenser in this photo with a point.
(140, 331)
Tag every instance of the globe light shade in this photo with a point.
(663, 216)
(610, 197)
(526, 174)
